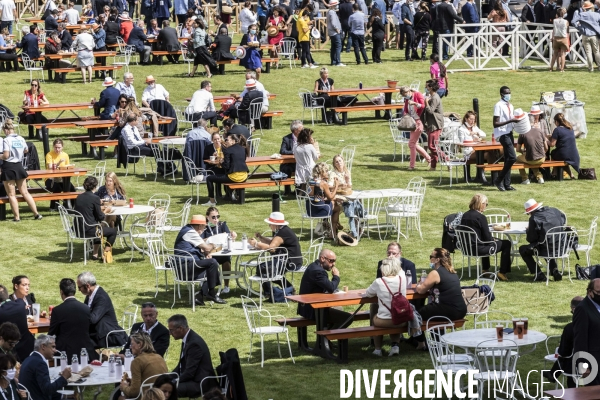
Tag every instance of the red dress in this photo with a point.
(275, 22)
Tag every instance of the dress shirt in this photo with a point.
(149, 331)
(357, 23)
(158, 92)
(202, 101)
(132, 137)
(92, 297)
(198, 133)
(128, 91)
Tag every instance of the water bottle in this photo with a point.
(118, 368)
(64, 362)
(111, 366)
(244, 242)
(128, 360)
(35, 102)
(150, 135)
(74, 364)
(508, 221)
(360, 85)
(83, 358)
(229, 242)
(408, 278)
(423, 276)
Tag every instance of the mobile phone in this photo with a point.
(508, 330)
(80, 380)
(225, 251)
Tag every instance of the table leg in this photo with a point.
(480, 160)
(92, 133)
(334, 101)
(322, 344)
(102, 153)
(387, 100)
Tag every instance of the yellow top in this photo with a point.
(303, 29)
(53, 158)
(238, 176)
(219, 152)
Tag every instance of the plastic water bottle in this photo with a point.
(83, 358)
(244, 242)
(408, 278)
(118, 368)
(35, 102)
(64, 362)
(111, 366)
(150, 135)
(74, 364)
(360, 85)
(423, 276)
(128, 360)
(229, 242)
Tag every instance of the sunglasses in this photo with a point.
(123, 101)
(215, 217)
(332, 261)
(432, 256)
(34, 85)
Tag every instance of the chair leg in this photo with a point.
(289, 346)
(262, 351)
(278, 346)
(250, 354)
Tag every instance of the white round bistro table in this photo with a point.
(237, 273)
(470, 338)
(173, 142)
(98, 378)
(125, 211)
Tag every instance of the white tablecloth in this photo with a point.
(125, 210)
(173, 142)
(516, 228)
(237, 251)
(370, 194)
(98, 377)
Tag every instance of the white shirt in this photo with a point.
(247, 18)
(50, 5)
(72, 16)
(84, 41)
(128, 91)
(260, 87)
(132, 136)
(183, 342)
(195, 240)
(378, 289)
(91, 299)
(158, 92)
(202, 101)
(148, 331)
(505, 111)
(16, 146)
(7, 7)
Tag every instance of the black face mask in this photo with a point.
(596, 298)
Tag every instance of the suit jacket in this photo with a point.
(104, 320)
(221, 48)
(478, 222)
(29, 299)
(234, 159)
(315, 280)
(112, 31)
(88, 205)
(70, 323)
(35, 376)
(29, 44)
(287, 148)
(50, 23)
(109, 99)
(540, 222)
(66, 40)
(121, 6)
(137, 37)
(159, 335)
(194, 362)
(15, 312)
(446, 15)
(565, 349)
(586, 325)
(167, 39)
(243, 109)
(239, 130)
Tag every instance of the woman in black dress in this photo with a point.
(563, 139)
(422, 20)
(377, 33)
(443, 286)
(88, 205)
(322, 85)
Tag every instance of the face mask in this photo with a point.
(432, 265)
(253, 31)
(211, 224)
(10, 374)
(406, 97)
(596, 298)
(506, 97)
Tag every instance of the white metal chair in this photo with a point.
(312, 103)
(408, 208)
(590, 235)
(135, 154)
(187, 59)
(129, 317)
(253, 144)
(304, 203)
(449, 157)
(496, 364)
(370, 217)
(308, 257)
(501, 216)
(33, 66)
(197, 176)
(78, 230)
(98, 173)
(552, 344)
(288, 50)
(551, 357)
(177, 220)
(159, 259)
(182, 265)
(222, 380)
(123, 59)
(148, 226)
(445, 354)
(270, 267)
(399, 137)
(468, 243)
(255, 112)
(414, 85)
(261, 322)
(146, 384)
(22, 387)
(163, 154)
(480, 320)
(347, 154)
(557, 245)
(121, 45)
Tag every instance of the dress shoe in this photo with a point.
(540, 277)
(500, 186)
(509, 188)
(502, 277)
(199, 301)
(216, 299)
(557, 275)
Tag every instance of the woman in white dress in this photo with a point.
(84, 44)
(469, 132)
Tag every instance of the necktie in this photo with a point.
(135, 135)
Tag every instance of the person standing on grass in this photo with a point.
(560, 41)
(503, 125)
(588, 24)
(357, 33)
(303, 24)
(84, 44)
(13, 174)
(334, 30)
(433, 119)
(407, 27)
(378, 35)
(8, 15)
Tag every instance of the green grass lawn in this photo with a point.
(37, 248)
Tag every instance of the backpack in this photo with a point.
(401, 310)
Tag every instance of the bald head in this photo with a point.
(327, 258)
(575, 302)
(593, 290)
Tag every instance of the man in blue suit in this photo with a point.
(29, 43)
(35, 375)
(109, 99)
(137, 37)
(122, 6)
(470, 16)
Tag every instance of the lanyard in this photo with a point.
(211, 231)
(11, 392)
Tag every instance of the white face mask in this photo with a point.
(432, 265)
(10, 374)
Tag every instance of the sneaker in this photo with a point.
(209, 204)
(225, 290)
(38, 217)
(394, 351)
(541, 180)
(526, 182)
(377, 352)
(341, 65)
(314, 66)
(502, 277)
(557, 275)
(305, 66)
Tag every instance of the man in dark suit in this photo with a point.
(194, 362)
(15, 312)
(51, 22)
(221, 49)
(137, 37)
(586, 325)
(167, 41)
(66, 40)
(157, 331)
(103, 317)
(243, 111)
(122, 6)
(565, 350)
(70, 323)
(316, 280)
(29, 42)
(109, 99)
(34, 374)
(445, 17)
(288, 143)
(232, 128)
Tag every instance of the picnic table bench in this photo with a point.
(36, 197)
(266, 60)
(103, 144)
(366, 107)
(65, 71)
(495, 168)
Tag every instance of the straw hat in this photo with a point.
(587, 5)
(535, 110)
(250, 83)
(531, 205)
(124, 17)
(198, 219)
(276, 218)
(240, 52)
(519, 114)
(272, 31)
(346, 240)
(150, 78)
(108, 81)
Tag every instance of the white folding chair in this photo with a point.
(135, 155)
(196, 176)
(182, 265)
(304, 203)
(370, 217)
(33, 66)
(312, 103)
(129, 317)
(468, 243)
(163, 154)
(159, 259)
(589, 235)
(347, 154)
(123, 59)
(399, 137)
(496, 364)
(449, 157)
(288, 50)
(255, 111)
(177, 220)
(261, 322)
(270, 267)
(187, 59)
(557, 245)
(98, 173)
(79, 230)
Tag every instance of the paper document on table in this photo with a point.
(219, 239)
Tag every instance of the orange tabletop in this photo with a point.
(351, 298)
(74, 54)
(55, 173)
(59, 107)
(42, 326)
(109, 123)
(580, 393)
(267, 160)
(364, 90)
(262, 47)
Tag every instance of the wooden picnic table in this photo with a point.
(42, 326)
(54, 59)
(580, 393)
(480, 148)
(387, 91)
(222, 98)
(37, 119)
(65, 174)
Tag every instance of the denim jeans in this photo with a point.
(347, 35)
(445, 46)
(508, 144)
(358, 43)
(336, 49)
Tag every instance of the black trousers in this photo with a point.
(510, 157)
(410, 37)
(207, 268)
(377, 46)
(110, 234)
(503, 247)
(212, 179)
(145, 150)
(206, 115)
(10, 58)
(305, 56)
(57, 187)
(527, 256)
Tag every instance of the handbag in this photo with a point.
(407, 123)
(586, 273)
(226, 10)
(587, 173)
